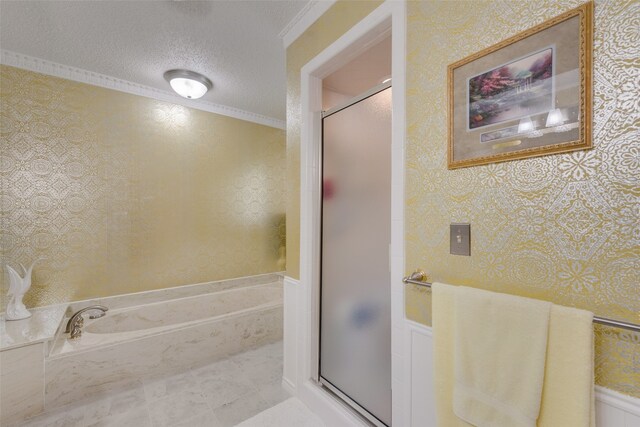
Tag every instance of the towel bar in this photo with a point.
(418, 277)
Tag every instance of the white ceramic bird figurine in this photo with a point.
(18, 286)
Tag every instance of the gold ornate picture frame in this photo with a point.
(529, 95)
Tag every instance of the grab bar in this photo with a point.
(419, 278)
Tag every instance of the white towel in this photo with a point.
(442, 321)
(567, 393)
(500, 346)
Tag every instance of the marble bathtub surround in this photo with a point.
(160, 317)
(21, 382)
(147, 297)
(40, 327)
(44, 322)
(189, 326)
(220, 394)
(75, 370)
(23, 345)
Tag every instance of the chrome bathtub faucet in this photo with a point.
(75, 323)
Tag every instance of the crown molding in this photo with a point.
(309, 14)
(296, 19)
(43, 66)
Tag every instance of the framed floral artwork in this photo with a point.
(529, 95)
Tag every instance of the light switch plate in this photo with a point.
(460, 239)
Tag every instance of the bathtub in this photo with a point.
(152, 339)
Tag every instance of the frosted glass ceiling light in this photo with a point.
(188, 84)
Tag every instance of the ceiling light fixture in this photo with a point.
(188, 84)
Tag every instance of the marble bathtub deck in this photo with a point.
(222, 394)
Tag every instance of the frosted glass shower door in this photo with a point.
(355, 319)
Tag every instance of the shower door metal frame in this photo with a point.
(326, 383)
(348, 103)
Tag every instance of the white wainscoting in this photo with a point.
(616, 410)
(612, 409)
(420, 408)
(290, 331)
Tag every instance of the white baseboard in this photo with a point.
(289, 386)
(330, 409)
(613, 409)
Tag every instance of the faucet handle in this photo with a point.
(75, 333)
(76, 321)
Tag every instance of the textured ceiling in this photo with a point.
(234, 43)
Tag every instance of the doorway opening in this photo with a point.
(387, 20)
(355, 308)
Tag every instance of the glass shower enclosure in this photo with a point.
(355, 310)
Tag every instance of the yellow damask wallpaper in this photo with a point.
(564, 228)
(120, 193)
(334, 23)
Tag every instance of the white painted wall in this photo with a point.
(331, 98)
